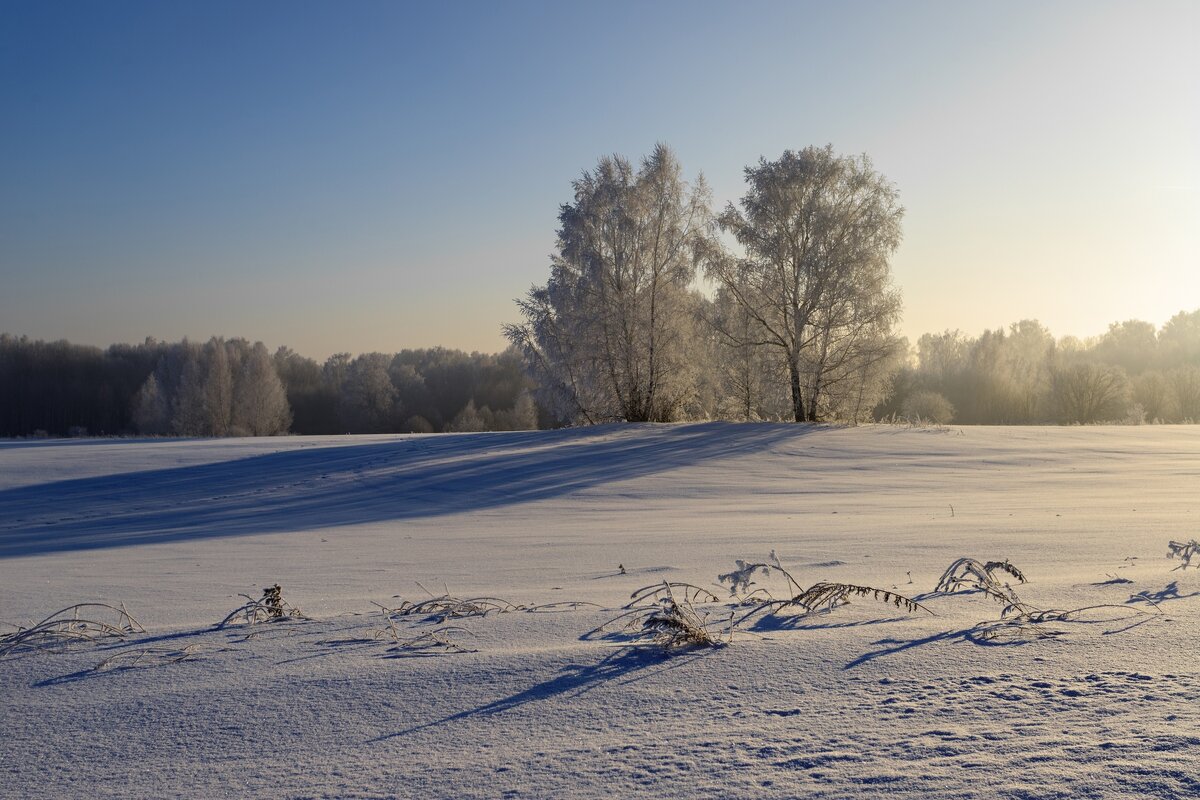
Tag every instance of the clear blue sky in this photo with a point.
(372, 176)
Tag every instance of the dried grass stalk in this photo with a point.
(670, 622)
(422, 644)
(969, 574)
(70, 626)
(148, 657)
(689, 592)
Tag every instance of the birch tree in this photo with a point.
(607, 337)
(817, 231)
(218, 388)
(260, 405)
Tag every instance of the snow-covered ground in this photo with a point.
(863, 701)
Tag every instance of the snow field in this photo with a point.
(864, 701)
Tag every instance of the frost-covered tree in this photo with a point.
(368, 399)
(1179, 340)
(1086, 393)
(748, 374)
(188, 417)
(817, 230)
(151, 412)
(1152, 392)
(927, 406)
(524, 413)
(608, 336)
(260, 406)
(1185, 393)
(218, 389)
(469, 420)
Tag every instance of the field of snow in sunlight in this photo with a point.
(863, 700)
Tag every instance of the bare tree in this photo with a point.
(607, 337)
(1185, 392)
(1087, 393)
(818, 231)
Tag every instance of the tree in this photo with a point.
(260, 406)
(469, 420)
(1152, 392)
(1086, 393)
(817, 230)
(1179, 339)
(607, 337)
(927, 406)
(218, 389)
(188, 417)
(368, 397)
(151, 415)
(1185, 393)
(747, 374)
(1131, 345)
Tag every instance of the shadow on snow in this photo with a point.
(322, 487)
(573, 680)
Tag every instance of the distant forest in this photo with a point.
(1133, 374)
(230, 387)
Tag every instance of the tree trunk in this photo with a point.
(797, 396)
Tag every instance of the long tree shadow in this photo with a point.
(322, 487)
(575, 680)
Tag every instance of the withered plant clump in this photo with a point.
(1019, 620)
(271, 607)
(426, 643)
(669, 620)
(77, 624)
(823, 595)
(967, 573)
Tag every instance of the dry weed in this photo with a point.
(63, 628)
(149, 657)
(824, 595)
(427, 643)
(669, 622)
(271, 607)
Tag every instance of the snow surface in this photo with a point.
(864, 701)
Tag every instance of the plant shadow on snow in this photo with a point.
(1166, 594)
(774, 623)
(626, 665)
(324, 487)
(1016, 631)
(973, 634)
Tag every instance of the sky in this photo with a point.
(380, 175)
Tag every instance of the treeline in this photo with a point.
(413, 391)
(1134, 373)
(230, 387)
(1131, 374)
